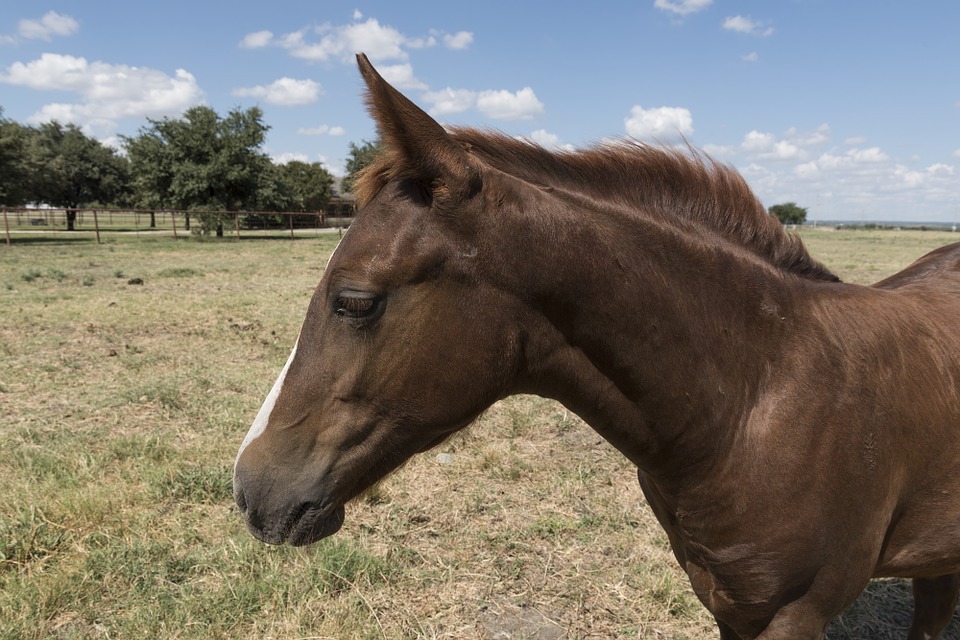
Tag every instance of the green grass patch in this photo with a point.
(28, 535)
(197, 484)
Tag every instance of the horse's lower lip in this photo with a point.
(312, 527)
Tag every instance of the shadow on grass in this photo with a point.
(882, 611)
(50, 240)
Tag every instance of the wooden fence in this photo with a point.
(22, 223)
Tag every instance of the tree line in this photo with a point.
(201, 161)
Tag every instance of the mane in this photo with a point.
(683, 187)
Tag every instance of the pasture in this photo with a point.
(122, 405)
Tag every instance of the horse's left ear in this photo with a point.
(420, 143)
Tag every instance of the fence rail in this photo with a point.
(24, 223)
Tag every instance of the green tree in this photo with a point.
(359, 158)
(789, 213)
(203, 162)
(14, 174)
(71, 170)
(308, 184)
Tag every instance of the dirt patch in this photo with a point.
(508, 622)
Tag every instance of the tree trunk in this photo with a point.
(186, 222)
(153, 220)
(71, 218)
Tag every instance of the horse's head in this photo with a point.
(403, 342)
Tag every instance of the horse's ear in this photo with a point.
(418, 141)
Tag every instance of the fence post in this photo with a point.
(96, 226)
(6, 225)
(173, 220)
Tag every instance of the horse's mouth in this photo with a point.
(304, 527)
(315, 524)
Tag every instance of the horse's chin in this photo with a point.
(307, 528)
(312, 527)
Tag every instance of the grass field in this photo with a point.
(122, 405)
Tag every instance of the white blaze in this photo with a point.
(263, 416)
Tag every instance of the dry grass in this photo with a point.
(123, 406)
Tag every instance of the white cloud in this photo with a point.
(107, 92)
(818, 136)
(545, 139)
(785, 150)
(719, 150)
(549, 140)
(766, 146)
(867, 156)
(288, 157)
(401, 76)
(909, 179)
(956, 154)
(497, 104)
(941, 169)
(341, 42)
(421, 43)
(446, 101)
(795, 145)
(285, 92)
(378, 41)
(504, 105)
(459, 40)
(256, 40)
(661, 123)
(322, 130)
(757, 142)
(743, 24)
(682, 7)
(807, 170)
(329, 42)
(753, 56)
(51, 24)
(336, 42)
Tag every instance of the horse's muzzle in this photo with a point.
(300, 525)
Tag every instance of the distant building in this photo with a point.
(341, 207)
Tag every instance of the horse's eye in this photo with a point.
(351, 305)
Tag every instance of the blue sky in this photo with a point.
(851, 109)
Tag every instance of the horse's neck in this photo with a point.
(656, 339)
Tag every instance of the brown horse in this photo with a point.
(795, 435)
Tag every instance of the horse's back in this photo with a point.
(939, 268)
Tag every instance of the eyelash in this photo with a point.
(355, 307)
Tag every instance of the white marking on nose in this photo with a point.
(263, 416)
